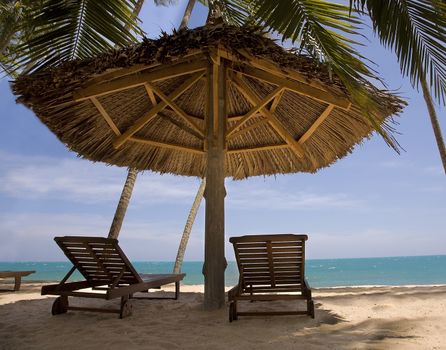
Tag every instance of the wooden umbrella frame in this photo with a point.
(219, 67)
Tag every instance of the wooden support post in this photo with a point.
(214, 251)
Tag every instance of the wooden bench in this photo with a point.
(271, 267)
(17, 275)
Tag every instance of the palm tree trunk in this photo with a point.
(123, 203)
(199, 196)
(127, 190)
(187, 14)
(434, 121)
(188, 227)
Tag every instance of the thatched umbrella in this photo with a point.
(216, 101)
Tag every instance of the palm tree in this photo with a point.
(188, 227)
(416, 31)
(127, 190)
(123, 203)
(76, 31)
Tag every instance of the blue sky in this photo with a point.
(372, 203)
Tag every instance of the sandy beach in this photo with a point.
(346, 318)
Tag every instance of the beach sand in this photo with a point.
(346, 318)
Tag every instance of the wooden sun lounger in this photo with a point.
(108, 274)
(17, 275)
(271, 267)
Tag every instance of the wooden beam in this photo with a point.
(127, 82)
(271, 67)
(150, 94)
(196, 117)
(139, 124)
(177, 109)
(275, 103)
(257, 107)
(120, 72)
(274, 122)
(169, 118)
(298, 87)
(316, 124)
(106, 116)
(250, 127)
(180, 124)
(257, 148)
(234, 118)
(167, 145)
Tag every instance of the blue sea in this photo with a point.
(407, 270)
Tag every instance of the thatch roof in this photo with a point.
(93, 105)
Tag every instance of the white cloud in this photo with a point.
(29, 236)
(79, 180)
(254, 195)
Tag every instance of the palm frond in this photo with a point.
(68, 29)
(234, 12)
(329, 32)
(416, 31)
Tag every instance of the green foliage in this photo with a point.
(416, 31)
(59, 30)
(329, 32)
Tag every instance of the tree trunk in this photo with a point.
(188, 227)
(127, 190)
(123, 203)
(434, 121)
(187, 14)
(199, 196)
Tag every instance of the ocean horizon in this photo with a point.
(389, 271)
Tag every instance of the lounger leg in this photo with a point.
(310, 307)
(233, 311)
(177, 290)
(60, 305)
(126, 307)
(18, 281)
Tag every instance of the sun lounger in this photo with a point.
(108, 274)
(271, 267)
(17, 275)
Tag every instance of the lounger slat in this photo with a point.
(252, 250)
(267, 275)
(287, 244)
(277, 281)
(255, 264)
(277, 290)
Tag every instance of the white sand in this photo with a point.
(346, 318)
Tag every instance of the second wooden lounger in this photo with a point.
(108, 274)
(17, 275)
(271, 267)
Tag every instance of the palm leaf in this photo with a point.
(416, 31)
(69, 29)
(329, 32)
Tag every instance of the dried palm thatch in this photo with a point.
(146, 106)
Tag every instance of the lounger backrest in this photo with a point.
(98, 259)
(270, 263)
